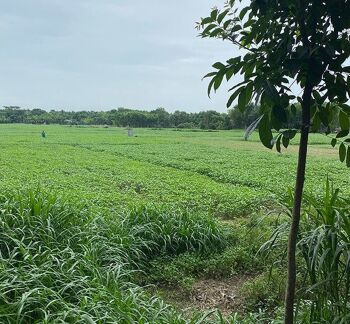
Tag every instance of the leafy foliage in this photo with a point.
(285, 44)
(121, 117)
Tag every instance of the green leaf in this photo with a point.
(219, 66)
(344, 121)
(293, 109)
(334, 142)
(248, 92)
(272, 92)
(275, 122)
(345, 108)
(236, 28)
(233, 97)
(211, 83)
(265, 133)
(206, 20)
(242, 100)
(218, 79)
(322, 114)
(319, 99)
(348, 158)
(229, 73)
(280, 113)
(210, 75)
(285, 141)
(227, 23)
(243, 12)
(222, 16)
(208, 28)
(237, 85)
(342, 133)
(342, 152)
(316, 123)
(216, 32)
(278, 144)
(214, 14)
(290, 133)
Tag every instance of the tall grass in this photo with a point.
(323, 256)
(62, 264)
(325, 247)
(174, 232)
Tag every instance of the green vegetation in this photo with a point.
(96, 226)
(63, 263)
(123, 117)
(284, 44)
(324, 246)
(215, 172)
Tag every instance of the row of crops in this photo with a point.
(216, 172)
(90, 215)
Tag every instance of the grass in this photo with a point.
(113, 214)
(323, 256)
(243, 239)
(214, 172)
(62, 263)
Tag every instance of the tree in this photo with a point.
(245, 118)
(180, 117)
(162, 117)
(211, 119)
(286, 43)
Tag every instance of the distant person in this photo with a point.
(43, 134)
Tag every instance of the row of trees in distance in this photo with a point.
(123, 117)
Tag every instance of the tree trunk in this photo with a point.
(298, 195)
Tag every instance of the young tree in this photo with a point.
(303, 44)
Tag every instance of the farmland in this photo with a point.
(216, 172)
(174, 204)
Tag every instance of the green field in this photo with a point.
(89, 215)
(216, 172)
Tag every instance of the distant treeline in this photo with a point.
(128, 117)
(123, 117)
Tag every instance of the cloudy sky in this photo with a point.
(103, 54)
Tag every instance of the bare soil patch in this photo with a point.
(209, 294)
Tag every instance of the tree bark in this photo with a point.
(298, 195)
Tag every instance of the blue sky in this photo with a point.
(103, 54)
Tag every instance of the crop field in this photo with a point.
(215, 172)
(96, 217)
